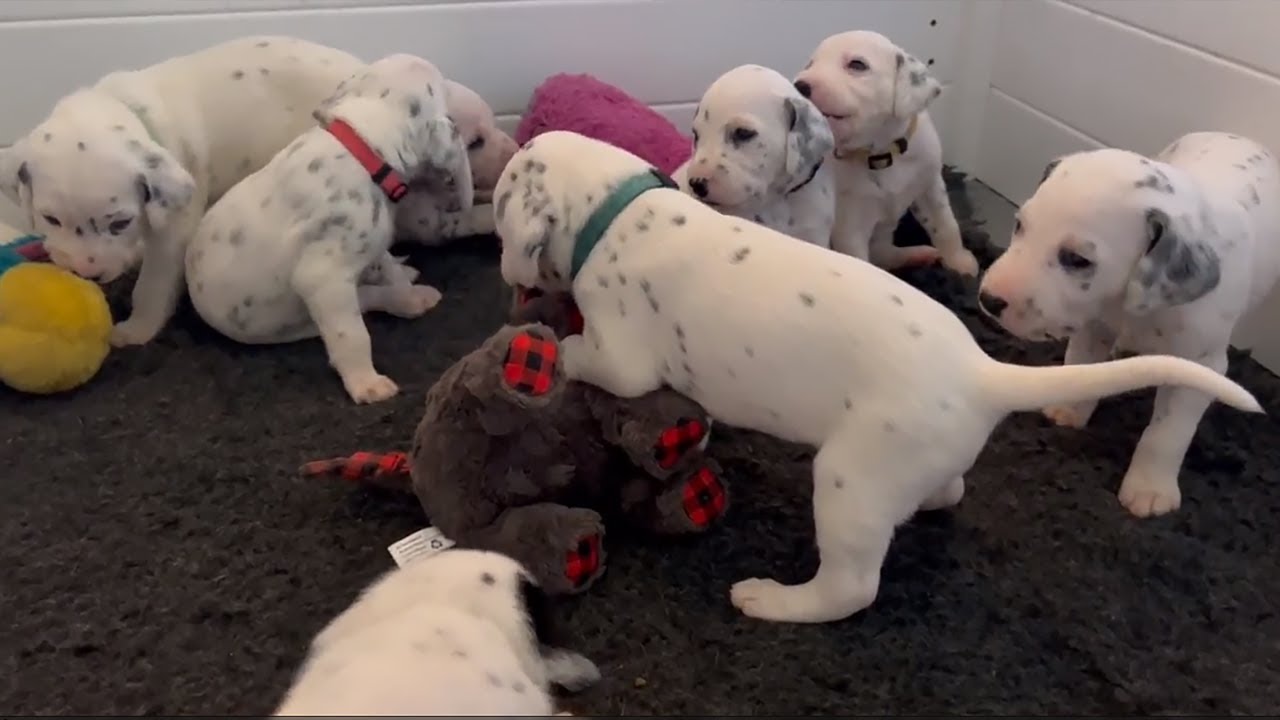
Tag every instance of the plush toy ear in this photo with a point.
(914, 87)
(164, 186)
(809, 140)
(1176, 268)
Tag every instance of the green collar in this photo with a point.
(612, 206)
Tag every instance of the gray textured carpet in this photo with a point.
(159, 555)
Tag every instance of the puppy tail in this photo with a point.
(1022, 387)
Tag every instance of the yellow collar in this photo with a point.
(880, 161)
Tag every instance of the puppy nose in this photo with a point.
(803, 87)
(991, 304)
(699, 186)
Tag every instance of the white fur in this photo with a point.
(786, 338)
(218, 115)
(449, 634)
(421, 217)
(768, 177)
(869, 105)
(301, 247)
(1214, 199)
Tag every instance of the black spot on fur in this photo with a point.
(807, 299)
(488, 578)
(315, 165)
(678, 220)
(739, 255)
(237, 75)
(896, 300)
(415, 107)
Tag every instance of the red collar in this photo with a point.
(383, 174)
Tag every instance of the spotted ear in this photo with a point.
(914, 87)
(165, 188)
(15, 179)
(526, 221)
(446, 155)
(1048, 170)
(809, 140)
(1177, 268)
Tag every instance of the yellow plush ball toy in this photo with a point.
(55, 327)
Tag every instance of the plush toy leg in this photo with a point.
(562, 547)
(692, 502)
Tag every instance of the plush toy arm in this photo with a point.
(388, 470)
(562, 547)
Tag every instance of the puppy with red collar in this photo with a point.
(301, 247)
(465, 632)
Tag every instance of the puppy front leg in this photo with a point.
(615, 367)
(1091, 344)
(885, 254)
(933, 210)
(851, 233)
(156, 292)
(1150, 487)
(333, 301)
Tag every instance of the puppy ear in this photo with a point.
(914, 87)
(15, 179)
(446, 155)
(809, 140)
(1048, 170)
(1176, 269)
(164, 186)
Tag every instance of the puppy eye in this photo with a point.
(52, 221)
(858, 65)
(1072, 260)
(117, 226)
(695, 137)
(476, 144)
(1017, 226)
(742, 135)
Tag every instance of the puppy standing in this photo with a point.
(760, 153)
(1118, 252)
(465, 632)
(423, 217)
(300, 247)
(121, 172)
(784, 338)
(875, 95)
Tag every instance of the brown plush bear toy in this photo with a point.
(510, 456)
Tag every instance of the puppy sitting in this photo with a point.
(760, 152)
(300, 247)
(422, 217)
(120, 173)
(875, 95)
(464, 632)
(785, 338)
(1118, 252)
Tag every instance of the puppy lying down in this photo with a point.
(465, 632)
(786, 338)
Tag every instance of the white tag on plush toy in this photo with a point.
(426, 542)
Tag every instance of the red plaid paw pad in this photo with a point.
(359, 466)
(530, 364)
(677, 440)
(704, 497)
(583, 561)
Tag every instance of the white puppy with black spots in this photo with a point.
(875, 97)
(424, 217)
(301, 247)
(120, 173)
(760, 153)
(785, 338)
(465, 632)
(1118, 252)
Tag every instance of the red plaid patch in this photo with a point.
(704, 497)
(677, 440)
(530, 364)
(359, 467)
(584, 560)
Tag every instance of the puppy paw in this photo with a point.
(901, 258)
(132, 332)
(1071, 416)
(572, 360)
(1145, 493)
(370, 388)
(570, 670)
(963, 263)
(760, 598)
(415, 300)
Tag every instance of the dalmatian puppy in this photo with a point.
(1115, 251)
(464, 632)
(889, 159)
(422, 217)
(301, 247)
(760, 153)
(785, 338)
(120, 173)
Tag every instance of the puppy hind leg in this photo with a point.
(887, 255)
(933, 210)
(948, 496)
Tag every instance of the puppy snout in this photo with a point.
(803, 87)
(699, 186)
(992, 304)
